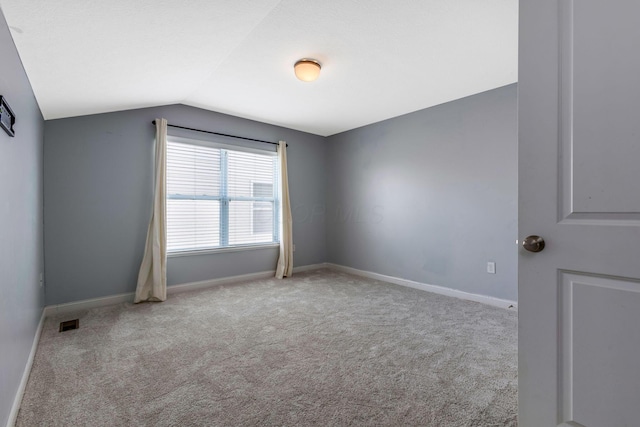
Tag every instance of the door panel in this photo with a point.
(600, 74)
(599, 339)
(579, 188)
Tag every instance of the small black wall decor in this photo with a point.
(7, 118)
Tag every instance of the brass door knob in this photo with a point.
(533, 243)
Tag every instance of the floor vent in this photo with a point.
(69, 325)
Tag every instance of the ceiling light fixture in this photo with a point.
(307, 70)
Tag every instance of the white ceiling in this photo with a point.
(380, 58)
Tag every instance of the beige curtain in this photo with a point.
(285, 262)
(152, 278)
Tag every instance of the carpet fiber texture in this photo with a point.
(321, 348)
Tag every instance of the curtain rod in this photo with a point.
(221, 134)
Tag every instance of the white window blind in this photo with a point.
(220, 197)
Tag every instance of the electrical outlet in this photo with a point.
(491, 267)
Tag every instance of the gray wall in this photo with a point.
(21, 261)
(430, 196)
(98, 193)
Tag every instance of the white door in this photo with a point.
(579, 189)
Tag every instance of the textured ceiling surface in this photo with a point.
(380, 58)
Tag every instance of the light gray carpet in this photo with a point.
(322, 348)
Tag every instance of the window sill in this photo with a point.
(221, 250)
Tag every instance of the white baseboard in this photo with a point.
(87, 304)
(496, 302)
(204, 284)
(184, 287)
(15, 408)
(173, 289)
(310, 267)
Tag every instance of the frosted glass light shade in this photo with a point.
(307, 70)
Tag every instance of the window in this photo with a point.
(220, 197)
(261, 212)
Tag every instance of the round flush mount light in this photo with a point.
(307, 70)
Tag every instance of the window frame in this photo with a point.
(224, 199)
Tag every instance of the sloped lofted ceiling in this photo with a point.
(380, 58)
